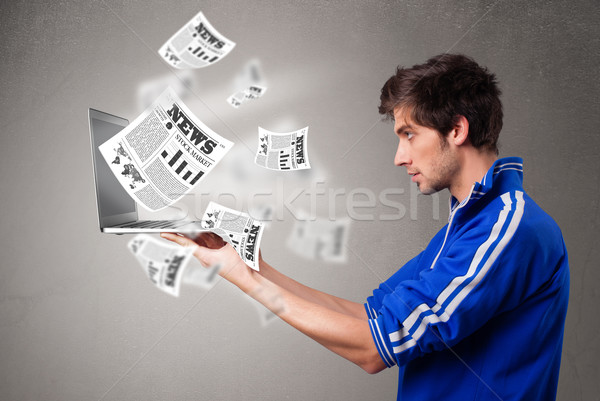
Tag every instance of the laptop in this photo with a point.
(117, 211)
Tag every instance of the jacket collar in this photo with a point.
(504, 172)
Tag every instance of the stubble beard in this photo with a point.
(444, 166)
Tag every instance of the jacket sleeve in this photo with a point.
(482, 272)
(407, 272)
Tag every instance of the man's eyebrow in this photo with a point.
(404, 128)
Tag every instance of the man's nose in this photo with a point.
(401, 157)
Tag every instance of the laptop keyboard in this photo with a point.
(155, 224)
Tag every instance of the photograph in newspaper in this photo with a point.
(320, 239)
(163, 262)
(242, 231)
(197, 44)
(164, 153)
(285, 151)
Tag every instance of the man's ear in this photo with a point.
(460, 133)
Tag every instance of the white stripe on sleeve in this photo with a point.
(456, 282)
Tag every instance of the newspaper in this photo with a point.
(320, 239)
(163, 153)
(250, 93)
(239, 229)
(286, 151)
(197, 44)
(248, 84)
(163, 263)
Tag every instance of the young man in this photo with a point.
(479, 314)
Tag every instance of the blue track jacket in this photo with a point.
(479, 314)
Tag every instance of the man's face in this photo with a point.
(430, 159)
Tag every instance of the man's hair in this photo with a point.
(435, 93)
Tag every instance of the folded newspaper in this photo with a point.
(239, 229)
(163, 263)
(163, 153)
(197, 44)
(286, 151)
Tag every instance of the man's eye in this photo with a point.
(409, 135)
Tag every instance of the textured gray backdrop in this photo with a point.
(78, 319)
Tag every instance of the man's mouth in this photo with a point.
(413, 175)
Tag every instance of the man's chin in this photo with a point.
(425, 190)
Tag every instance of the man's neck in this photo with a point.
(474, 165)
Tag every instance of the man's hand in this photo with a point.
(210, 250)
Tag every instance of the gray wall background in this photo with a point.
(78, 318)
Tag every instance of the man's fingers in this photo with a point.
(200, 240)
(178, 239)
(201, 252)
(214, 241)
(222, 253)
(204, 239)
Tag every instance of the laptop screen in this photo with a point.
(112, 198)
